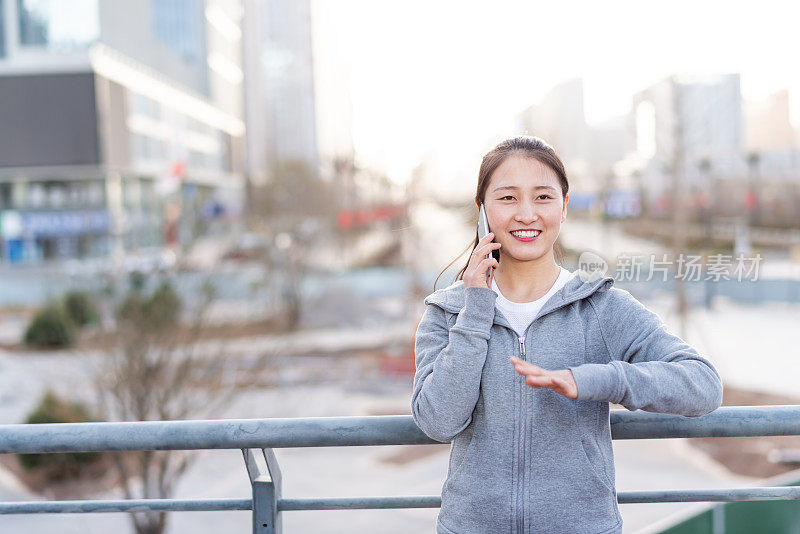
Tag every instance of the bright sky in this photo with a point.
(448, 75)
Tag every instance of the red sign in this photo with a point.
(750, 200)
(361, 217)
(178, 169)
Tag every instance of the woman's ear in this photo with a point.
(564, 210)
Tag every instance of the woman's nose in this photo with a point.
(527, 213)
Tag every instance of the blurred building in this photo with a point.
(589, 152)
(772, 143)
(768, 124)
(560, 120)
(332, 77)
(123, 124)
(280, 86)
(694, 122)
(297, 95)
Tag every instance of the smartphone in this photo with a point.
(483, 229)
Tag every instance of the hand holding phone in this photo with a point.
(487, 249)
(483, 230)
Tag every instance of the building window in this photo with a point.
(6, 197)
(2, 31)
(180, 25)
(58, 25)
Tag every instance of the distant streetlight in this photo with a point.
(706, 212)
(751, 197)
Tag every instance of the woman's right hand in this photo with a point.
(475, 273)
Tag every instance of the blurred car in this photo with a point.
(249, 247)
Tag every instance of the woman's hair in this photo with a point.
(526, 146)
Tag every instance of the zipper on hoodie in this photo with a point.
(521, 452)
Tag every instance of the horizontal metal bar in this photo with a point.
(129, 505)
(779, 493)
(213, 434)
(210, 505)
(359, 503)
(728, 421)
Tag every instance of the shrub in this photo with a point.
(52, 409)
(81, 308)
(164, 306)
(159, 312)
(51, 327)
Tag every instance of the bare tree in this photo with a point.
(159, 370)
(296, 208)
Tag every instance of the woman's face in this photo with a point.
(524, 194)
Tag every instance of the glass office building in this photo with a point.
(116, 135)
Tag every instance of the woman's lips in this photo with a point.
(526, 238)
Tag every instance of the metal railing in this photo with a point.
(258, 437)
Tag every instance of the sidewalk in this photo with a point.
(665, 464)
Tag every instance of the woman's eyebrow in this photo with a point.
(515, 187)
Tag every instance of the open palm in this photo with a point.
(561, 381)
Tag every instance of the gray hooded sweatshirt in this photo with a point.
(528, 459)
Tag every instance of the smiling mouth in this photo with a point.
(526, 234)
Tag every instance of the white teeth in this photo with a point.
(531, 233)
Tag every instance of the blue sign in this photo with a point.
(580, 201)
(622, 203)
(14, 250)
(64, 223)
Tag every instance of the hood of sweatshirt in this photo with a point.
(581, 286)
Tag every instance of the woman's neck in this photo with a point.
(526, 281)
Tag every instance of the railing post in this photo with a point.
(266, 482)
(718, 519)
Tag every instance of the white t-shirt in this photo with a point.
(521, 314)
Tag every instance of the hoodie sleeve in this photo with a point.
(650, 368)
(450, 363)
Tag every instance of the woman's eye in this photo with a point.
(507, 196)
(545, 196)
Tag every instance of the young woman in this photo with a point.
(518, 372)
